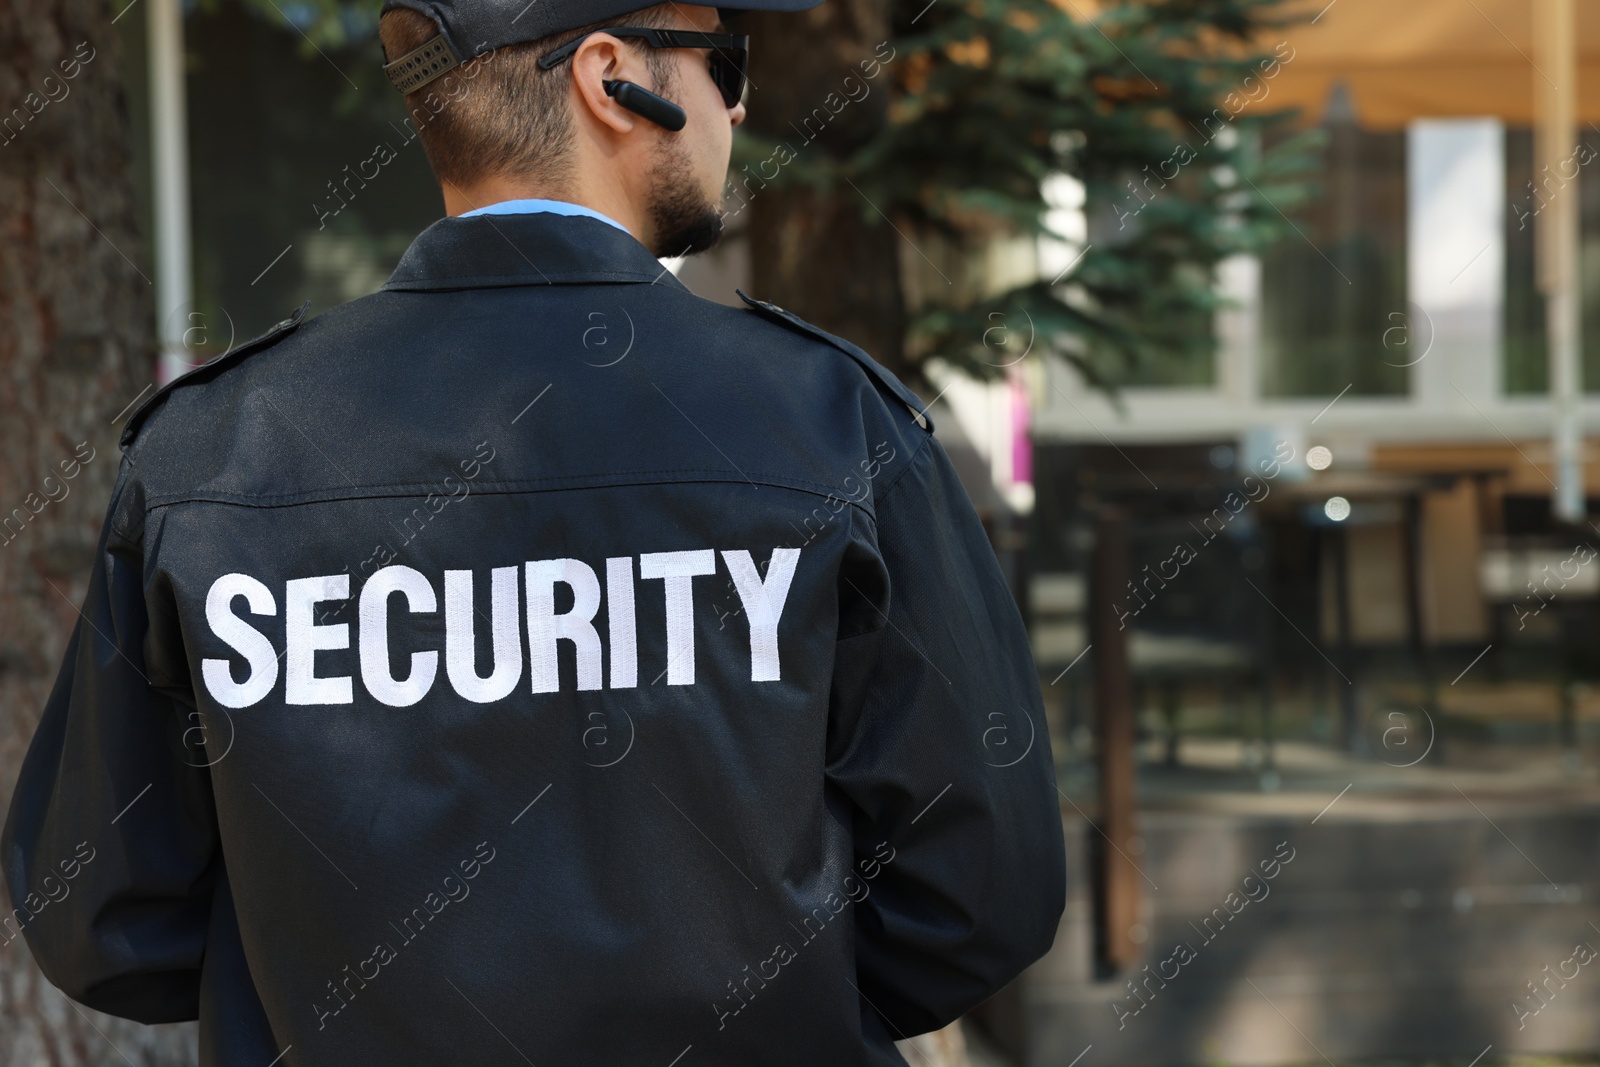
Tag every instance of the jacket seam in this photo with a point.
(898, 478)
(511, 488)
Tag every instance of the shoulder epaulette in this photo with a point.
(131, 428)
(911, 400)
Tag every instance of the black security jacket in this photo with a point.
(535, 662)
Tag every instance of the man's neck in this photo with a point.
(459, 199)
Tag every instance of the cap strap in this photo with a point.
(421, 65)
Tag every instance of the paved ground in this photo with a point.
(1422, 901)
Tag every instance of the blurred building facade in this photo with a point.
(1393, 356)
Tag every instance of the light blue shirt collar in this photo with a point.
(533, 206)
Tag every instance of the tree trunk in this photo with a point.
(811, 252)
(75, 350)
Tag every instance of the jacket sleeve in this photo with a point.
(110, 844)
(938, 739)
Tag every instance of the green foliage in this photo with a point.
(323, 27)
(321, 23)
(990, 97)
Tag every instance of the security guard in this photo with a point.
(532, 661)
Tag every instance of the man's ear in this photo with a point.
(601, 58)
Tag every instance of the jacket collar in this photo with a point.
(486, 251)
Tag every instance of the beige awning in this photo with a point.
(1407, 59)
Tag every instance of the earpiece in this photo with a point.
(641, 101)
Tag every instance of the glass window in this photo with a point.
(1328, 292)
(1526, 365)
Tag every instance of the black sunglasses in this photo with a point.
(730, 53)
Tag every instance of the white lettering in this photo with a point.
(404, 676)
(622, 631)
(375, 636)
(460, 635)
(243, 638)
(678, 570)
(305, 638)
(545, 627)
(763, 604)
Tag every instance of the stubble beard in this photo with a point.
(685, 221)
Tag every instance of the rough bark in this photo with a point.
(810, 251)
(75, 349)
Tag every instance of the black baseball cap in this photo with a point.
(470, 28)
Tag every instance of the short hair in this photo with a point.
(500, 114)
